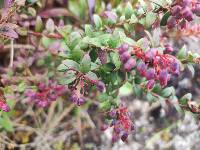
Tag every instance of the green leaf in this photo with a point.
(39, 24)
(184, 100)
(182, 54)
(88, 30)
(71, 64)
(116, 59)
(46, 41)
(191, 69)
(150, 19)
(167, 92)
(126, 89)
(129, 41)
(62, 68)
(76, 54)
(164, 19)
(103, 97)
(143, 43)
(85, 64)
(21, 87)
(150, 97)
(133, 19)
(92, 41)
(114, 41)
(97, 21)
(128, 10)
(91, 75)
(105, 105)
(69, 78)
(6, 123)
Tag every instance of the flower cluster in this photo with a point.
(4, 106)
(154, 65)
(80, 86)
(182, 12)
(125, 56)
(45, 93)
(121, 123)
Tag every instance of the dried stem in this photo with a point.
(11, 53)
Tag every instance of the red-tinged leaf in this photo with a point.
(91, 4)
(8, 32)
(55, 12)
(7, 3)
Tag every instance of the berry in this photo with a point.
(150, 54)
(129, 64)
(187, 14)
(150, 74)
(104, 127)
(141, 68)
(196, 9)
(102, 56)
(4, 106)
(125, 56)
(183, 24)
(123, 48)
(46, 93)
(186, 2)
(112, 113)
(171, 22)
(163, 77)
(124, 136)
(175, 67)
(150, 84)
(74, 98)
(100, 86)
(81, 101)
(168, 49)
(175, 10)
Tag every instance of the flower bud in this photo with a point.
(5, 108)
(196, 9)
(81, 101)
(102, 56)
(124, 136)
(150, 74)
(171, 22)
(186, 2)
(112, 113)
(125, 56)
(123, 48)
(129, 64)
(150, 84)
(168, 49)
(175, 10)
(163, 77)
(187, 14)
(104, 127)
(117, 129)
(150, 54)
(141, 68)
(74, 98)
(175, 67)
(41, 86)
(183, 24)
(100, 86)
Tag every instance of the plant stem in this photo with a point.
(11, 53)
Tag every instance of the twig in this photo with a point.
(63, 114)
(11, 53)
(19, 46)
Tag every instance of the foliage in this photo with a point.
(112, 54)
